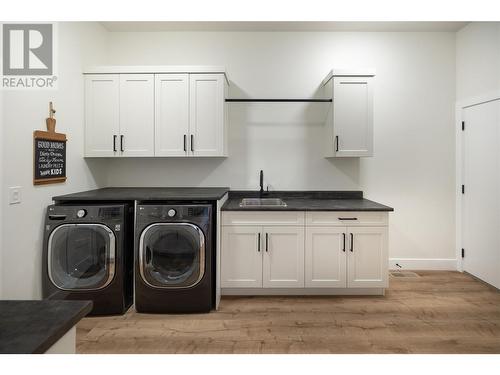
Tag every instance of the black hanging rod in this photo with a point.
(280, 100)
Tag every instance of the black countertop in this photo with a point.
(145, 194)
(28, 327)
(307, 201)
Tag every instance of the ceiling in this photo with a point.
(144, 26)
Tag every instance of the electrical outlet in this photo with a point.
(15, 195)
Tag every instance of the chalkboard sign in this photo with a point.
(49, 151)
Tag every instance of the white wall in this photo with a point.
(80, 44)
(413, 167)
(478, 59)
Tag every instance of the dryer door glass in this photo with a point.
(172, 255)
(81, 256)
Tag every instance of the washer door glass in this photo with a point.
(81, 256)
(172, 255)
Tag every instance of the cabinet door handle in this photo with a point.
(258, 244)
(352, 242)
(267, 242)
(121, 142)
(185, 142)
(114, 142)
(192, 143)
(336, 143)
(343, 242)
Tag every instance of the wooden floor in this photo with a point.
(439, 312)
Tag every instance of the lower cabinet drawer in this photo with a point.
(262, 218)
(347, 218)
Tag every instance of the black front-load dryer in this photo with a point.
(173, 258)
(88, 255)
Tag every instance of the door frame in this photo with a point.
(459, 160)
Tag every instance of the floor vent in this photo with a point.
(404, 274)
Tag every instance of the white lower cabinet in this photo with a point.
(241, 257)
(367, 262)
(256, 257)
(325, 257)
(332, 256)
(283, 257)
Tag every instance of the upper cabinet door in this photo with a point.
(353, 116)
(136, 115)
(206, 114)
(325, 257)
(283, 262)
(367, 260)
(172, 114)
(102, 115)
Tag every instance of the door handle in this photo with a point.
(267, 242)
(336, 143)
(185, 142)
(114, 142)
(343, 242)
(192, 143)
(258, 244)
(121, 142)
(352, 242)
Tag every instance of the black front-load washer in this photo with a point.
(173, 258)
(88, 255)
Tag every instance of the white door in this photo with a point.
(481, 198)
(102, 116)
(172, 114)
(136, 115)
(206, 114)
(241, 257)
(367, 264)
(325, 257)
(353, 116)
(283, 263)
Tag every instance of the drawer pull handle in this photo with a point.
(348, 218)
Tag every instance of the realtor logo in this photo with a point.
(28, 56)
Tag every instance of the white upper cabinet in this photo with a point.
(102, 114)
(156, 111)
(349, 125)
(172, 114)
(136, 115)
(207, 115)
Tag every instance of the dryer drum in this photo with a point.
(81, 256)
(172, 255)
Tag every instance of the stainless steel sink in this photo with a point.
(262, 202)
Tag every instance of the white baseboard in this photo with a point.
(303, 291)
(423, 264)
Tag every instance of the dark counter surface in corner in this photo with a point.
(121, 194)
(29, 327)
(307, 201)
